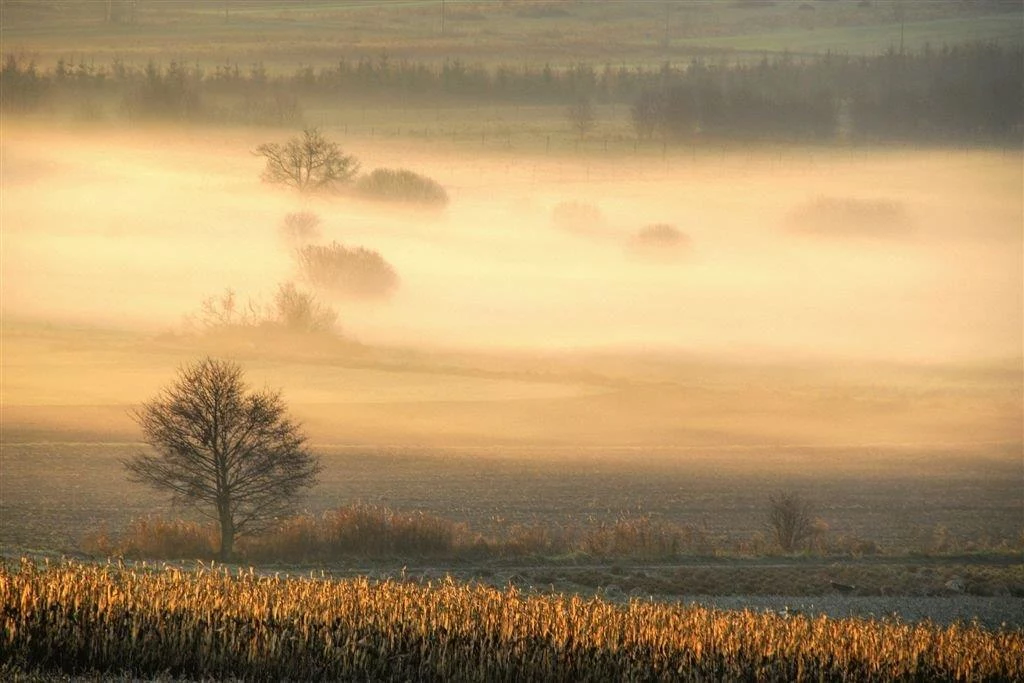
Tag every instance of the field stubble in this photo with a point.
(77, 618)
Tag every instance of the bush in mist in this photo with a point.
(298, 311)
(266, 109)
(291, 310)
(850, 217)
(348, 271)
(301, 227)
(661, 235)
(578, 217)
(401, 185)
(309, 163)
(661, 240)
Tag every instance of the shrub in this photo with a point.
(155, 538)
(661, 236)
(356, 531)
(850, 217)
(578, 217)
(642, 537)
(401, 185)
(301, 227)
(299, 311)
(291, 310)
(351, 271)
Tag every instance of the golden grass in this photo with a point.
(74, 618)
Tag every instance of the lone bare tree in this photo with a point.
(232, 454)
(791, 519)
(309, 163)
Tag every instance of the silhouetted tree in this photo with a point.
(647, 114)
(232, 454)
(309, 163)
(791, 520)
(582, 116)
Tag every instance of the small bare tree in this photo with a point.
(790, 519)
(301, 227)
(582, 115)
(232, 454)
(299, 311)
(310, 163)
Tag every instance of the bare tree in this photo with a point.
(582, 115)
(299, 311)
(232, 454)
(309, 163)
(791, 519)
(646, 114)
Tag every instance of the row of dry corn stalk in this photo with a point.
(72, 617)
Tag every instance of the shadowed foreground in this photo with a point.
(80, 618)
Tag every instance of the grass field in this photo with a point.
(284, 36)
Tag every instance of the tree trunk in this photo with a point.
(227, 536)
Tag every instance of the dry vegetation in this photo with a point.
(346, 271)
(77, 618)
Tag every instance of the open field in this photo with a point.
(286, 35)
(532, 372)
(591, 368)
(904, 500)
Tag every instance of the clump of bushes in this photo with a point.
(850, 217)
(578, 217)
(401, 185)
(299, 311)
(157, 538)
(643, 537)
(349, 271)
(290, 310)
(301, 227)
(357, 531)
(661, 240)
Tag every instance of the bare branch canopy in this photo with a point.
(310, 163)
(232, 454)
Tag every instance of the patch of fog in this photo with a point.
(130, 232)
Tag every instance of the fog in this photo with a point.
(788, 253)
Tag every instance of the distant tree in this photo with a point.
(646, 114)
(790, 519)
(582, 115)
(310, 163)
(232, 454)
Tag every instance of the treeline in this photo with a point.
(969, 92)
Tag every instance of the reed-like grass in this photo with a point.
(76, 618)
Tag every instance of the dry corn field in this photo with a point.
(76, 618)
